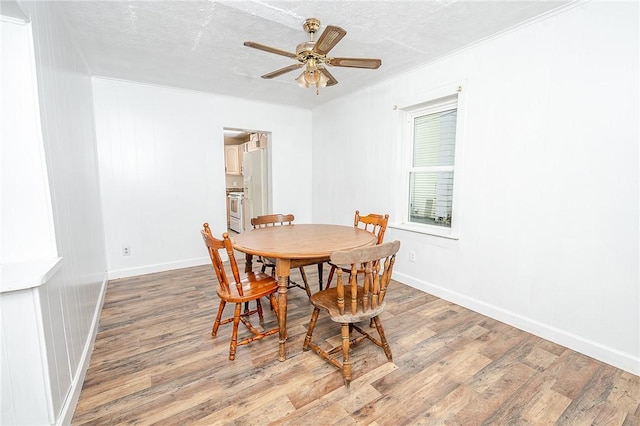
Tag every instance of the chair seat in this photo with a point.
(328, 300)
(254, 285)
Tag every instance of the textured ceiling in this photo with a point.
(199, 44)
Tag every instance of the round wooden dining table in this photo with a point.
(293, 246)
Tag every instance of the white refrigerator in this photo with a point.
(256, 197)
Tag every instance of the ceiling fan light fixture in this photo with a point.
(312, 77)
(322, 81)
(302, 81)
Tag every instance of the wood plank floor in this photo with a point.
(155, 362)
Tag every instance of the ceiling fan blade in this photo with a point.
(269, 49)
(330, 79)
(328, 39)
(282, 71)
(355, 62)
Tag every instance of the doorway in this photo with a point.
(247, 159)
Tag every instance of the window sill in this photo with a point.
(427, 230)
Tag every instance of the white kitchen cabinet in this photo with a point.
(233, 159)
(257, 141)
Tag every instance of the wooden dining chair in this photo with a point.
(357, 297)
(374, 223)
(244, 288)
(278, 220)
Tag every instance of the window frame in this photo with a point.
(428, 103)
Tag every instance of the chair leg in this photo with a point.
(234, 334)
(383, 339)
(259, 309)
(312, 325)
(306, 283)
(274, 304)
(216, 323)
(346, 362)
(331, 272)
(320, 271)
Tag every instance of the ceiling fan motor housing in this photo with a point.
(304, 52)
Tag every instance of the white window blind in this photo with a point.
(432, 172)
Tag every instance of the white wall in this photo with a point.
(25, 213)
(162, 174)
(70, 302)
(26, 232)
(550, 186)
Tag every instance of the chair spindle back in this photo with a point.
(271, 220)
(374, 223)
(378, 266)
(213, 246)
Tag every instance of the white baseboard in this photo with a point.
(158, 267)
(606, 354)
(69, 407)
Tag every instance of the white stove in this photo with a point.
(235, 211)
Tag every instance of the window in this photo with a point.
(432, 136)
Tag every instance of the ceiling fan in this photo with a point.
(312, 55)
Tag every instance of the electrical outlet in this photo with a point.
(126, 251)
(412, 256)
